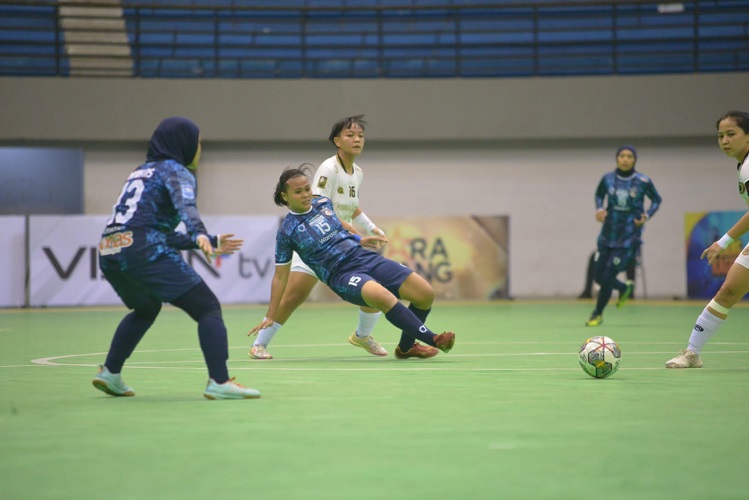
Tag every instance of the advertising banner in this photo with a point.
(64, 262)
(13, 263)
(246, 276)
(462, 257)
(702, 230)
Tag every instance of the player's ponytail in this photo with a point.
(287, 175)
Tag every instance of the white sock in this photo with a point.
(265, 335)
(707, 325)
(367, 322)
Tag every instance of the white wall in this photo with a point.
(531, 148)
(545, 187)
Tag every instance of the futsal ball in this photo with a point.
(600, 357)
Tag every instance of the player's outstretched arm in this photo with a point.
(348, 227)
(370, 227)
(711, 253)
(373, 241)
(278, 286)
(227, 244)
(204, 243)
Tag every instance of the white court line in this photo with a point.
(272, 364)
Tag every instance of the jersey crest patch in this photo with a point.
(340, 190)
(322, 182)
(187, 192)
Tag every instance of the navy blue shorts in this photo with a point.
(165, 279)
(612, 261)
(347, 282)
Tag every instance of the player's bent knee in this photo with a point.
(378, 297)
(199, 301)
(148, 309)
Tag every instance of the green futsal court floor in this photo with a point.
(507, 414)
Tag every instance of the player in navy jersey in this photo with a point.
(623, 191)
(338, 178)
(357, 275)
(733, 139)
(139, 256)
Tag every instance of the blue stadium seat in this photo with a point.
(397, 38)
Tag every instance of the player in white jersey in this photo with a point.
(339, 179)
(733, 139)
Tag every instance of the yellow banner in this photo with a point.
(463, 258)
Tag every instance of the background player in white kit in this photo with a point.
(733, 139)
(339, 179)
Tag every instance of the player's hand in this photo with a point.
(711, 253)
(374, 241)
(263, 324)
(643, 218)
(601, 215)
(228, 244)
(204, 243)
(378, 232)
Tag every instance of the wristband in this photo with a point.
(356, 237)
(724, 241)
(364, 222)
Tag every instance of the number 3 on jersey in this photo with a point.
(130, 196)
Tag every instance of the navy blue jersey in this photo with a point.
(155, 198)
(318, 237)
(625, 202)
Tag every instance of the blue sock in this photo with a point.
(409, 324)
(407, 341)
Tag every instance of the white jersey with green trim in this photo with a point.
(744, 179)
(332, 181)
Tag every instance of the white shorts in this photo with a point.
(298, 266)
(743, 258)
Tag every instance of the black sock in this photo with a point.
(604, 294)
(409, 324)
(407, 341)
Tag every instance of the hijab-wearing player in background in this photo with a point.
(139, 256)
(359, 276)
(624, 190)
(339, 179)
(733, 139)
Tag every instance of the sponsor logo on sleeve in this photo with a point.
(322, 182)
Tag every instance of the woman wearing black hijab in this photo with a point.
(139, 256)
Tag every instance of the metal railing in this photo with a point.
(368, 40)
